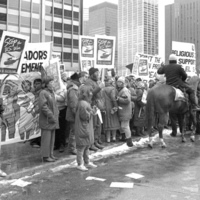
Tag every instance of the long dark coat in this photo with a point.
(110, 121)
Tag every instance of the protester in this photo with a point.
(124, 109)
(37, 84)
(96, 85)
(139, 114)
(84, 132)
(83, 76)
(72, 101)
(110, 118)
(48, 120)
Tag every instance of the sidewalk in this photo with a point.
(21, 159)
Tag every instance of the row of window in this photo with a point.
(58, 41)
(59, 13)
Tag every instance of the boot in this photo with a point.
(193, 102)
(98, 145)
(108, 136)
(129, 142)
(93, 148)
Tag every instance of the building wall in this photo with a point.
(185, 25)
(137, 30)
(44, 21)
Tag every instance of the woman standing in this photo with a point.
(110, 119)
(48, 120)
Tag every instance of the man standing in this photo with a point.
(93, 81)
(72, 101)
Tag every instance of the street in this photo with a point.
(171, 173)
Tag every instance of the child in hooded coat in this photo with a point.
(84, 132)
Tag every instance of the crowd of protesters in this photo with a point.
(70, 120)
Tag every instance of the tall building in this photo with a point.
(182, 24)
(137, 30)
(59, 21)
(86, 21)
(103, 21)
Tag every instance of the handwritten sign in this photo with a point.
(12, 48)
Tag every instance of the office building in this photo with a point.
(182, 24)
(59, 21)
(137, 30)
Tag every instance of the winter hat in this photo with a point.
(92, 70)
(172, 57)
(74, 76)
(121, 79)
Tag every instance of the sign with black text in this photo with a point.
(12, 49)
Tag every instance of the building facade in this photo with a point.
(137, 30)
(59, 21)
(182, 24)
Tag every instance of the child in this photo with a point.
(84, 132)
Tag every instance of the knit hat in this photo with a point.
(92, 71)
(121, 79)
(172, 57)
(74, 76)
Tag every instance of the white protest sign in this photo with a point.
(12, 49)
(186, 55)
(37, 55)
(105, 51)
(86, 52)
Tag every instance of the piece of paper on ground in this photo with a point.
(21, 183)
(134, 175)
(121, 185)
(94, 178)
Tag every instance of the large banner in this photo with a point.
(86, 52)
(105, 51)
(37, 56)
(12, 49)
(146, 66)
(186, 55)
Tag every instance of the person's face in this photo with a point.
(26, 87)
(84, 78)
(37, 86)
(50, 85)
(96, 76)
(119, 84)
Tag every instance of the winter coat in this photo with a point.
(48, 118)
(175, 75)
(124, 101)
(84, 132)
(139, 112)
(110, 121)
(72, 101)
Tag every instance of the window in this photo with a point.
(67, 42)
(3, 3)
(58, 12)
(57, 27)
(48, 25)
(35, 38)
(26, 6)
(13, 19)
(67, 57)
(75, 43)
(13, 4)
(58, 1)
(75, 57)
(76, 15)
(76, 2)
(67, 28)
(48, 38)
(3, 18)
(25, 21)
(68, 2)
(75, 29)
(67, 14)
(57, 41)
(36, 8)
(35, 23)
(48, 10)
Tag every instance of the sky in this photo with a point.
(162, 3)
